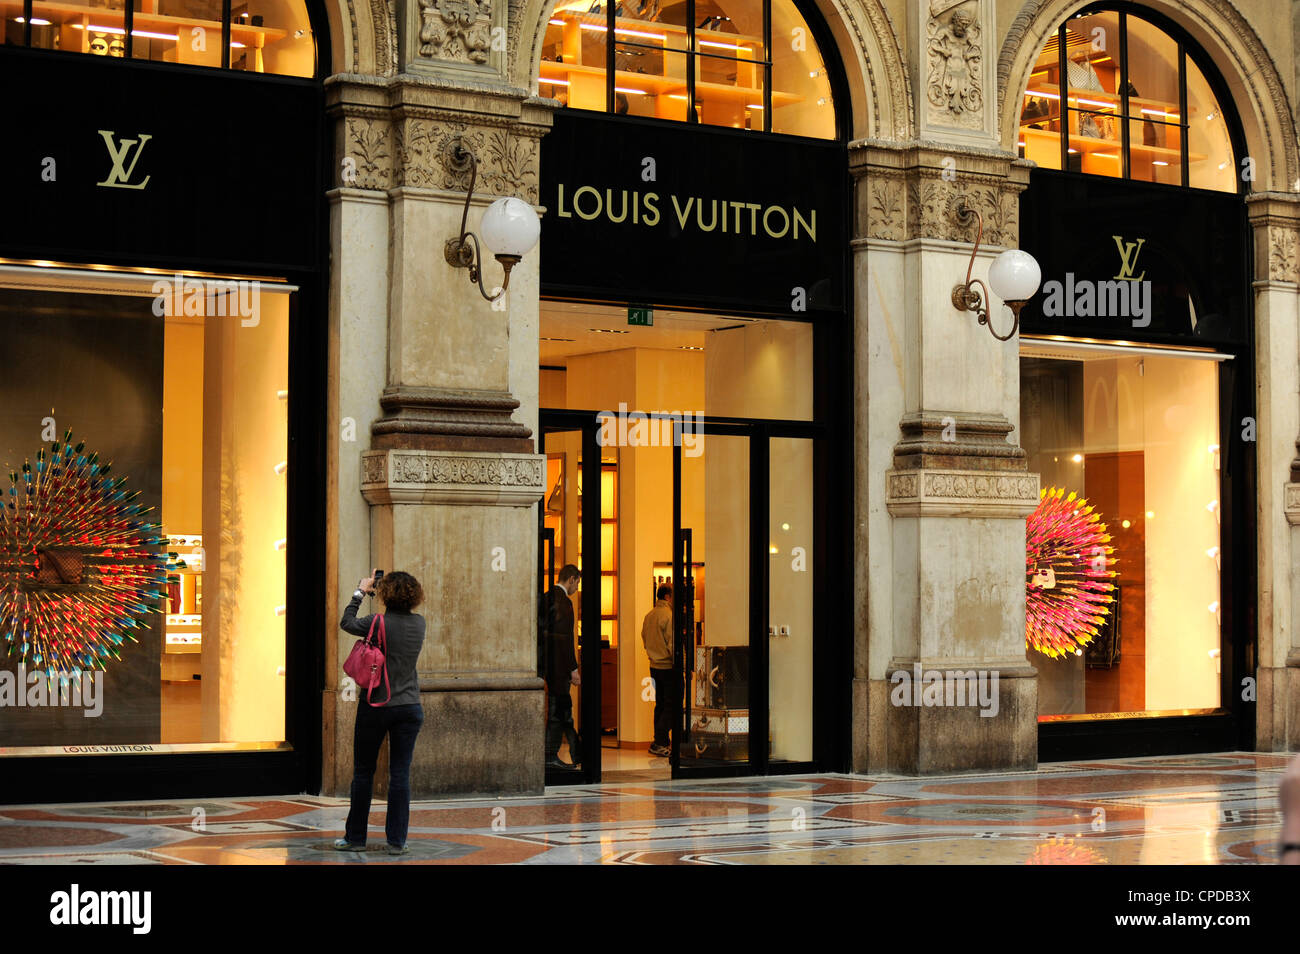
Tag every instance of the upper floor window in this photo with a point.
(747, 64)
(260, 36)
(1133, 105)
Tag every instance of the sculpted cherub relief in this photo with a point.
(954, 52)
(450, 28)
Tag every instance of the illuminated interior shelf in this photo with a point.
(109, 20)
(1088, 144)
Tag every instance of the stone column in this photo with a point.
(450, 475)
(1275, 218)
(942, 492)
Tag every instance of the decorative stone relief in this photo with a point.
(507, 161)
(367, 142)
(940, 493)
(885, 217)
(1291, 503)
(456, 29)
(449, 477)
(454, 37)
(930, 212)
(1282, 255)
(954, 60)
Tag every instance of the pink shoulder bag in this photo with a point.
(366, 663)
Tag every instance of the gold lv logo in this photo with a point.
(1128, 258)
(120, 175)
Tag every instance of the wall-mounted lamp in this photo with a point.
(1014, 275)
(510, 229)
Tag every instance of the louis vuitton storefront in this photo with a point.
(161, 294)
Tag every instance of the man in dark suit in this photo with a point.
(561, 669)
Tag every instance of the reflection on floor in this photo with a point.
(1207, 809)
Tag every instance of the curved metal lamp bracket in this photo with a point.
(965, 297)
(458, 251)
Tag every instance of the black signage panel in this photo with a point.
(694, 216)
(130, 163)
(1135, 262)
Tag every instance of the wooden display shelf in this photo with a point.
(627, 30)
(656, 85)
(1087, 144)
(149, 21)
(1090, 100)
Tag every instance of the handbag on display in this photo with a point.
(1083, 76)
(367, 663)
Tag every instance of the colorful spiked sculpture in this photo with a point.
(67, 504)
(1069, 565)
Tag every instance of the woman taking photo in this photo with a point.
(400, 717)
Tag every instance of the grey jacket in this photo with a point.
(405, 636)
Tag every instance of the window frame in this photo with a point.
(1187, 50)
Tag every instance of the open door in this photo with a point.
(569, 533)
(715, 614)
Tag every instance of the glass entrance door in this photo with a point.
(569, 612)
(714, 613)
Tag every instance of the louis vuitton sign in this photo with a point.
(1128, 260)
(149, 164)
(677, 214)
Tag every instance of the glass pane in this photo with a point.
(729, 92)
(271, 36)
(1136, 438)
(730, 29)
(1210, 161)
(715, 506)
(1092, 61)
(178, 31)
(1095, 145)
(1155, 151)
(790, 608)
(100, 31)
(801, 90)
(649, 82)
(573, 55)
(1152, 69)
(1040, 117)
(560, 612)
(187, 406)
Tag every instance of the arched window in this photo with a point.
(1136, 105)
(259, 36)
(746, 64)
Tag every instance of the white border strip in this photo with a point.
(86, 280)
(1137, 351)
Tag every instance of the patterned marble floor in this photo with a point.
(1183, 810)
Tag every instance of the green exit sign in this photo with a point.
(640, 315)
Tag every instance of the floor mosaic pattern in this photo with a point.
(1199, 810)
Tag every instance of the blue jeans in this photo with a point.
(402, 725)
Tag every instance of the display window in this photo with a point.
(260, 36)
(1124, 555)
(143, 538)
(743, 64)
(1112, 94)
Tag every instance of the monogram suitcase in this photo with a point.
(721, 677)
(718, 734)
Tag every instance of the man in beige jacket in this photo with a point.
(657, 637)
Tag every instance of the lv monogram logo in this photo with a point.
(1128, 258)
(120, 175)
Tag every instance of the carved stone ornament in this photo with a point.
(508, 160)
(954, 58)
(1282, 260)
(456, 30)
(368, 144)
(452, 477)
(948, 493)
(1291, 503)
